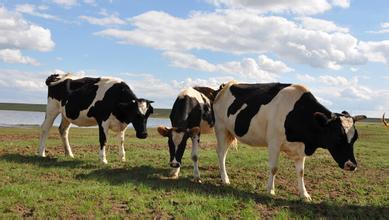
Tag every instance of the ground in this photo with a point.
(62, 187)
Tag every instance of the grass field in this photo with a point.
(62, 187)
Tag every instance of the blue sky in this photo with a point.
(339, 49)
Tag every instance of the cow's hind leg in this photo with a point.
(222, 149)
(52, 112)
(64, 133)
(103, 134)
(122, 152)
(299, 163)
(274, 152)
(195, 157)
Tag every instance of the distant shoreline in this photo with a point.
(158, 112)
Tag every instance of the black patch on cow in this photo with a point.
(301, 125)
(254, 96)
(119, 94)
(186, 112)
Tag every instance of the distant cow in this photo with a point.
(384, 121)
(106, 102)
(285, 117)
(191, 115)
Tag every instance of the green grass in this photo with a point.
(62, 187)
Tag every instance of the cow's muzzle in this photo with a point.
(349, 166)
(141, 135)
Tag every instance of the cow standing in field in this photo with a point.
(285, 117)
(191, 115)
(106, 102)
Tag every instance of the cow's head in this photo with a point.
(339, 136)
(137, 111)
(177, 138)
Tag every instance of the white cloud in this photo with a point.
(26, 81)
(241, 32)
(15, 56)
(321, 25)
(305, 78)
(376, 51)
(66, 3)
(113, 19)
(34, 11)
(263, 69)
(306, 7)
(384, 28)
(17, 33)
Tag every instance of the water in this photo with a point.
(23, 118)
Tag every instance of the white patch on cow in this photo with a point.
(177, 138)
(63, 77)
(348, 125)
(142, 106)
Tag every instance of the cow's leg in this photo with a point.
(64, 133)
(299, 163)
(195, 157)
(222, 149)
(122, 152)
(52, 112)
(103, 134)
(274, 152)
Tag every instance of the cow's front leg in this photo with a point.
(299, 163)
(122, 152)
(64, 133)
(274, 152)
(195, 157)
(103, 134)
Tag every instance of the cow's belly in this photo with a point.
(82, 119)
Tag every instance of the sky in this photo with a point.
(339, 49)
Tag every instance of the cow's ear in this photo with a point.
(164, 131)
(321, 119)
(194, 131)
(359, 117)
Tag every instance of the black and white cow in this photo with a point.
(285, 117)
(85, 101)
(191, 115)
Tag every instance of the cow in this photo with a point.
(191, 115)
(285, 117)
(106, 102)
(386, 124)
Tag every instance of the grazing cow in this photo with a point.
(386, 124)
(106, 102)
(191, 115)
(285, 117)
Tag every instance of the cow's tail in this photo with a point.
(54, 79)
(384, 121)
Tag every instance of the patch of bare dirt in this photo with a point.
(22, 210)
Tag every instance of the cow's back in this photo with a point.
(255, 124)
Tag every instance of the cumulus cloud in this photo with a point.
(321, 25)
(15, 56)
(241, 32)
(306, 7)
(263, 69)
(376, 51)
(17, 33)
(66, 3)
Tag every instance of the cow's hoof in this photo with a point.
(70, 155)
(306, 198)
(123, 159)
(272, 192)
(226, 182)
(197, 180)
(42, 154)
(104, 161)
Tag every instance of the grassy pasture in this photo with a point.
(62, 187)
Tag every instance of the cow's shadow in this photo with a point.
(150, 176)
(46, 162)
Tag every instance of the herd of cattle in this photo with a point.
(284, 117)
